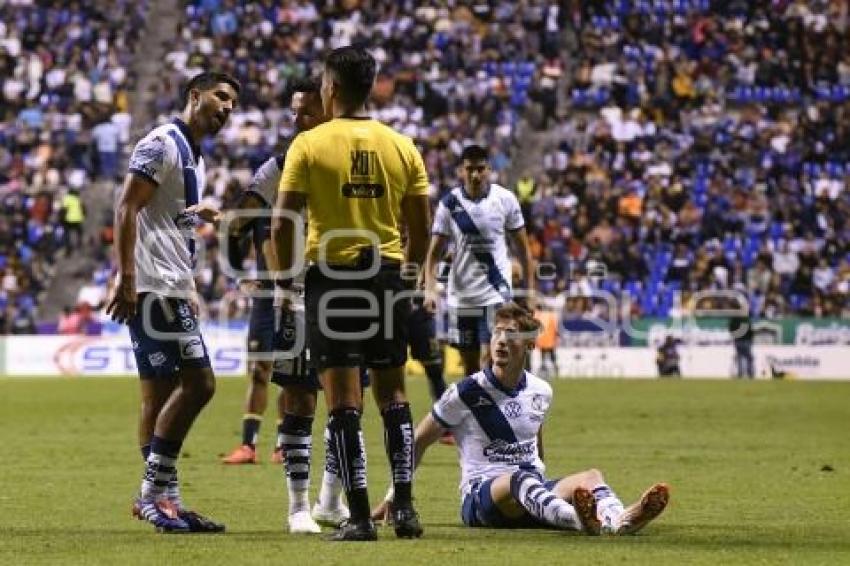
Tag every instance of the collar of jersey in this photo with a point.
(184, 129)
(491, 377)
(481, 197)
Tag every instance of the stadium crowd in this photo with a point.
(698, 144)
(451, 74)
(706, 147)
(64, 83)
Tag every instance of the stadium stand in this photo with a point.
(695, 145)
(65, 83)
(705, 148)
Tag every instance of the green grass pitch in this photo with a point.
(760, 474)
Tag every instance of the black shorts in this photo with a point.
(291, 365)
(422, 330)
(166, 337)
(360, 321)
(469, 327)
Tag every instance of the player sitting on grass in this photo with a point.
(496, 416)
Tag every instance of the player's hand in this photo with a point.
(194, 301)
(122, 306)
(429, 301)
(249, 286)
(383, 512)
(206, 212)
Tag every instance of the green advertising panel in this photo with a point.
(707, 331)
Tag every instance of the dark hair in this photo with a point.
(354, 69)
(301, 84)
(305, 84)
(474, 153)
(206, 81)
(523, 318)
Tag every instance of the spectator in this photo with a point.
(73, 215)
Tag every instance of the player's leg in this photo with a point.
(463, 334)
(184, 358)
(277, 454)
(297, 443)
(425, 349)
(526, 493)
(386, 356)
(482, 324)
(337, 363)
(343, 397)
(154, 394)
(261, 332)
(330, 510)
(256, 400)
(613, 517)
(391, 399)
(550, 353)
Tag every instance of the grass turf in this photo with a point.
(760, 474)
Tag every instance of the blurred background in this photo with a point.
(682, 165)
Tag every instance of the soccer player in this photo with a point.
(476, 216)
(297, 400)
(496, 416)
(154, 221)
(306, 107)
(358, 179)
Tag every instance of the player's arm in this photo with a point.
(417, 215)
(241, 222)
(291, 198)
(428, 431)
(283, 230)
(135, 195)
(519, 240)
(436, 249)
(238, 226)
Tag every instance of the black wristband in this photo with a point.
(284, 284)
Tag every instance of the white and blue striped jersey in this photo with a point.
(495, 429)
(480, 274)
(165, 245)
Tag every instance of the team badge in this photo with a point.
(513, 409)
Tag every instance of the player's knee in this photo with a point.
(201, 387)
(299, 402)
(261, 374)
(593, 477)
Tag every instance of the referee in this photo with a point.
(358, 180)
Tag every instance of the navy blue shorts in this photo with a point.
(479, 510)
(422, 332)
(161, 357)
(469, 327)
(292, 365)
(261, 326)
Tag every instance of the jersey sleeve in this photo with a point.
(513, 213)
(418, 185)
(442, 221)
(296, 176)
(449, 410)
(153, 158)
(265, 182)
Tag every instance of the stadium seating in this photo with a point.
(732, 151)
(683, 122)
(64, 68)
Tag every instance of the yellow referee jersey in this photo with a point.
(354, 172)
